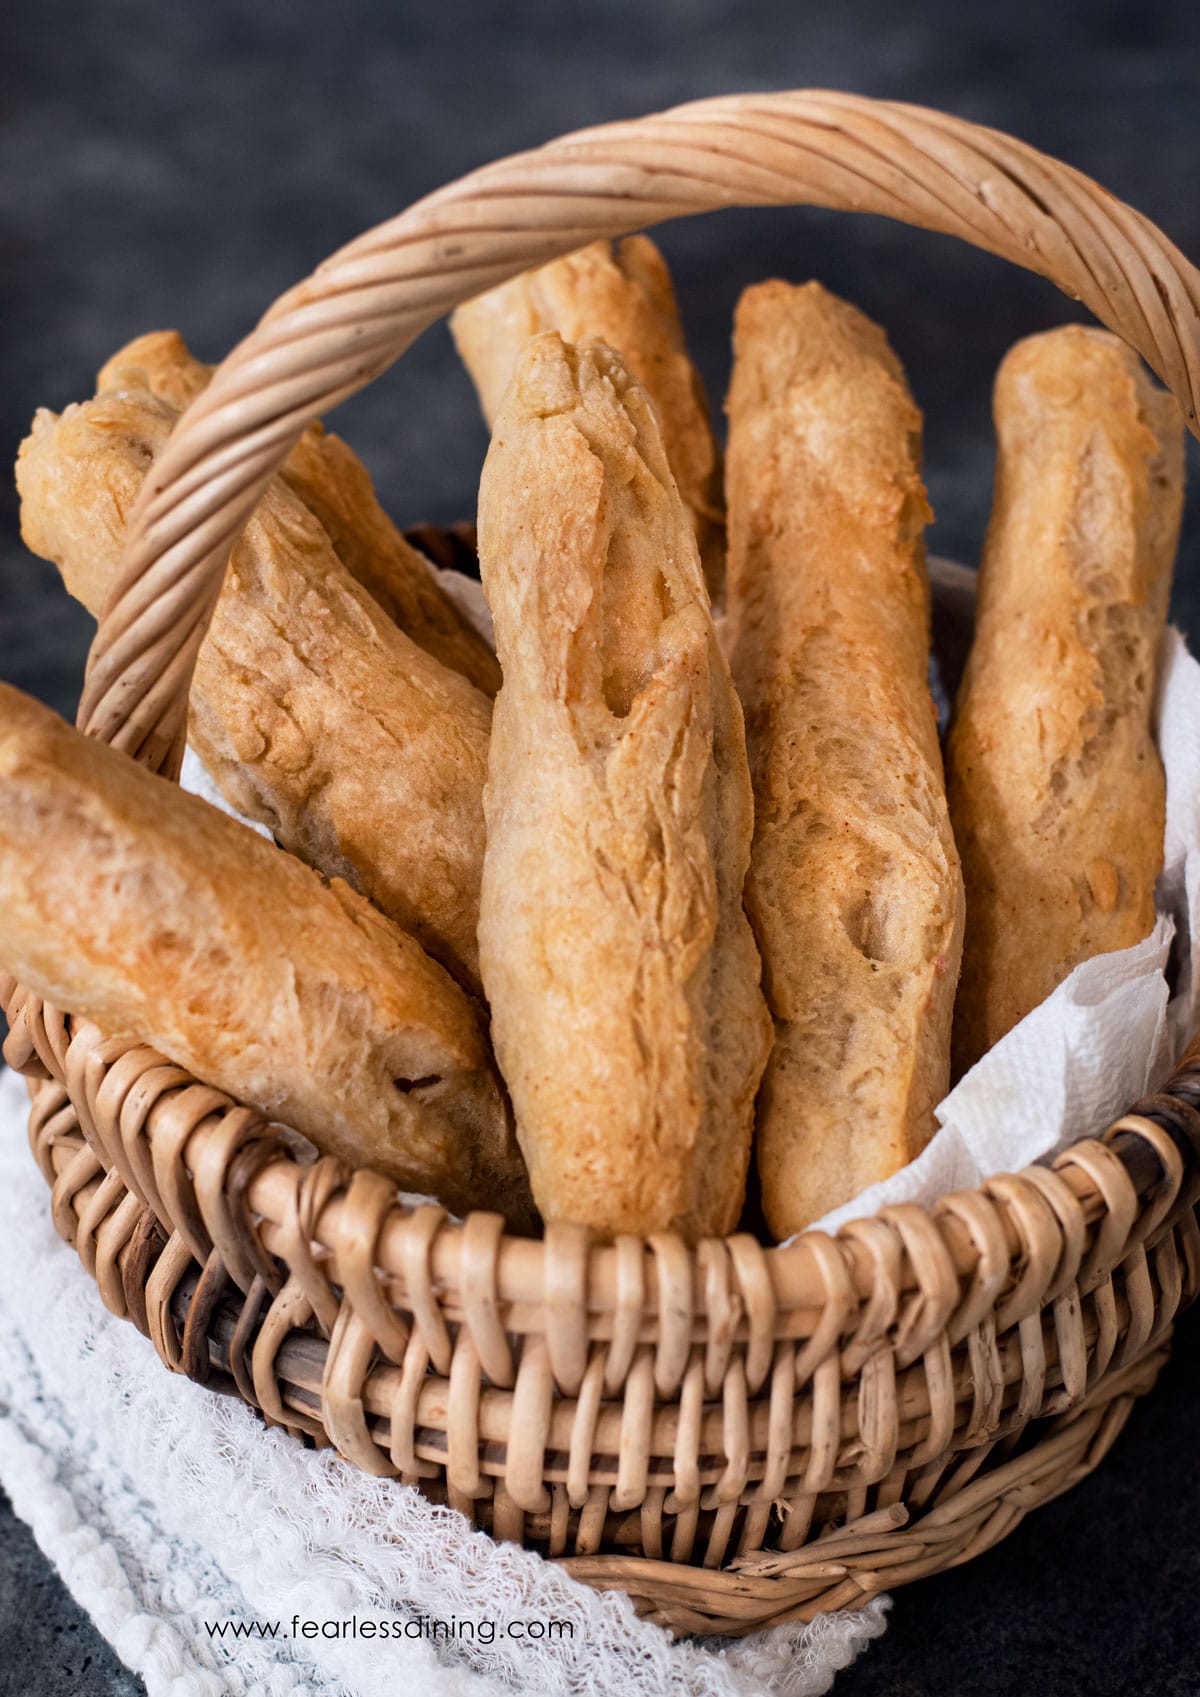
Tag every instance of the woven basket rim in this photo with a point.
(1122, 1174)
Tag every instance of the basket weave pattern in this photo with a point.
(735, 1435)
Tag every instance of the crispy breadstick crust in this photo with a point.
(314, 713)
(854, 891)
(1056, 789)
(621, 971)
(625, 297)
(132, 904)
(336, 487)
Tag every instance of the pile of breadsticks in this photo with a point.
(675, 878)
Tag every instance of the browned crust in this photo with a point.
(854, 888)
(623, 295)
(619, 965)
(336, 487)
(314, 713)
(1056, 789)
(142, 908)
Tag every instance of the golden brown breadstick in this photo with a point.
(336, 488)
(314, 713)
(620, 968)
(625, 297)
(854, 890)
(1056, 789)
(140, 907)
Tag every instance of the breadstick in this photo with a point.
(133, 904)
(619, 965)
(336, 487)
(625, 297)
(1056, 789)
(314, 713)
(854, 891)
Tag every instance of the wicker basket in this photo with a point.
(735, 1435)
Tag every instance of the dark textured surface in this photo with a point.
(48, 1645)
(182, 164)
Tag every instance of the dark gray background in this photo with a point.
(180, 164)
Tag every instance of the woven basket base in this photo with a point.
(905, 1528)
(908, 1526)
(864, 1538)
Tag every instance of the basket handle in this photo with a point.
(343, 326)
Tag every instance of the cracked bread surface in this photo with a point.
(144, 909)
(313, 712)
(622, 294)
(1057, 791)
(854, 888)
(619, 965)
(336, 487)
